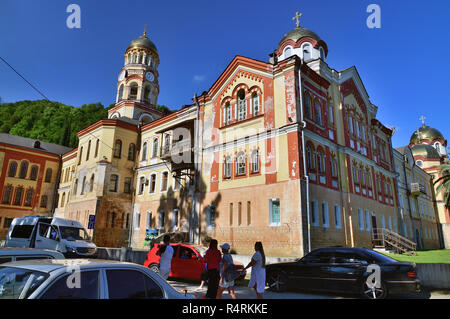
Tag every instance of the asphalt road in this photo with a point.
(243, 292)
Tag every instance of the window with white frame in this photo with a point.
(174, 218)
(314, 213)
(361, 218)
(161, 221)
(306, 52)
(155, 147)
(240, 163)
(148, 220)
(137, 220)
(274, 212)
(227, 119)
(141, 185)
(242, 107)
(287, 52)
(164, 181)
(255, 161)
(227, 167)
(325, 215)
(211, 216)
(367, 220)
(337, 216)
(255, 104)
(152, 183)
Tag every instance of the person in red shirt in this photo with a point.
(212, 259)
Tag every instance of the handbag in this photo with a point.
(230, 273)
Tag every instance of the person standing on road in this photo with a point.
(166, 253)
(212, 259)
(258, 274)
(227, 260)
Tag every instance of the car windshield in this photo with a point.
(74, 233)
(15, 282)
(201, 250)
(380, 257)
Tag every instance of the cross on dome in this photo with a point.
(297, 18)
(422, 118)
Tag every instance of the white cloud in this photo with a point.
(199, 78)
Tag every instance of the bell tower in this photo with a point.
(137, 85)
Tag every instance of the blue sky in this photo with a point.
(404, 65)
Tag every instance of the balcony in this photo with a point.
(417, 189)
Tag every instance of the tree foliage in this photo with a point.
(444, 183)
(49, 121)
(52, 122)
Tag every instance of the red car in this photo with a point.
(187, 261)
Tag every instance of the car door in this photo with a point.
(47, 237)
(344, 271)
(131, 284)
(88, 287)
(191, 266)
(308, 271)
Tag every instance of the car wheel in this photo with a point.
(375, 293)
(154, 268)
(277, 281)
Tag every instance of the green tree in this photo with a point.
(444, 183)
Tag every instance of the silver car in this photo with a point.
(8, 254)
(82, 279)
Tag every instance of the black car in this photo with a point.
(339, 269)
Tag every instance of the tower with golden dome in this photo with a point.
(137, 84)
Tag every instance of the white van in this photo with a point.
(63, 235)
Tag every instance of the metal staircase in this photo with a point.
(386, 239)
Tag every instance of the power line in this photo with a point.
(24, 78)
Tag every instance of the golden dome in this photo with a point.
(424, 150)
(426, 133)
(299, 33)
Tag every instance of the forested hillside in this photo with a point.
(51, 122)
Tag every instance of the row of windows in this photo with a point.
(21, 197)
(23, 172)
(143, 181)
(274, 214)
(240, 164)
(117, 151)
(155, 147)
(161, 221)
(324, 218)
(317, 159)
(241, 111)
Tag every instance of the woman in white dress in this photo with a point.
(258, 274)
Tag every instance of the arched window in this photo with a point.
(23, 170)
(141, 185)
(48, 175)
(307, 107)
(144, 151)
(44, 200)
(228, 167)
(29, 197)
(113, 181)
(241, 105)
(91, 183)
(240, 163)
(255, 103)
(131, 152)
(34, 172)
(7, 194)
(334, 168)
(317, 112)
(83, 185)
(322, 54)
(321, 162)
(287, 52)
(152, 183)
(88, 150)
(63, 199)
(164, 181)
(18, 196)
(12, 169)
(255, 161)
(310, 158)
(133, 91)
(96, 147)
(155, 147)
(227, 119)
(118, 149)
(306, 52)
(81, 155)
(120, 93)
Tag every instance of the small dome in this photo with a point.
(299, 33)
(424, 150)
(142, 42)
(426, 133)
